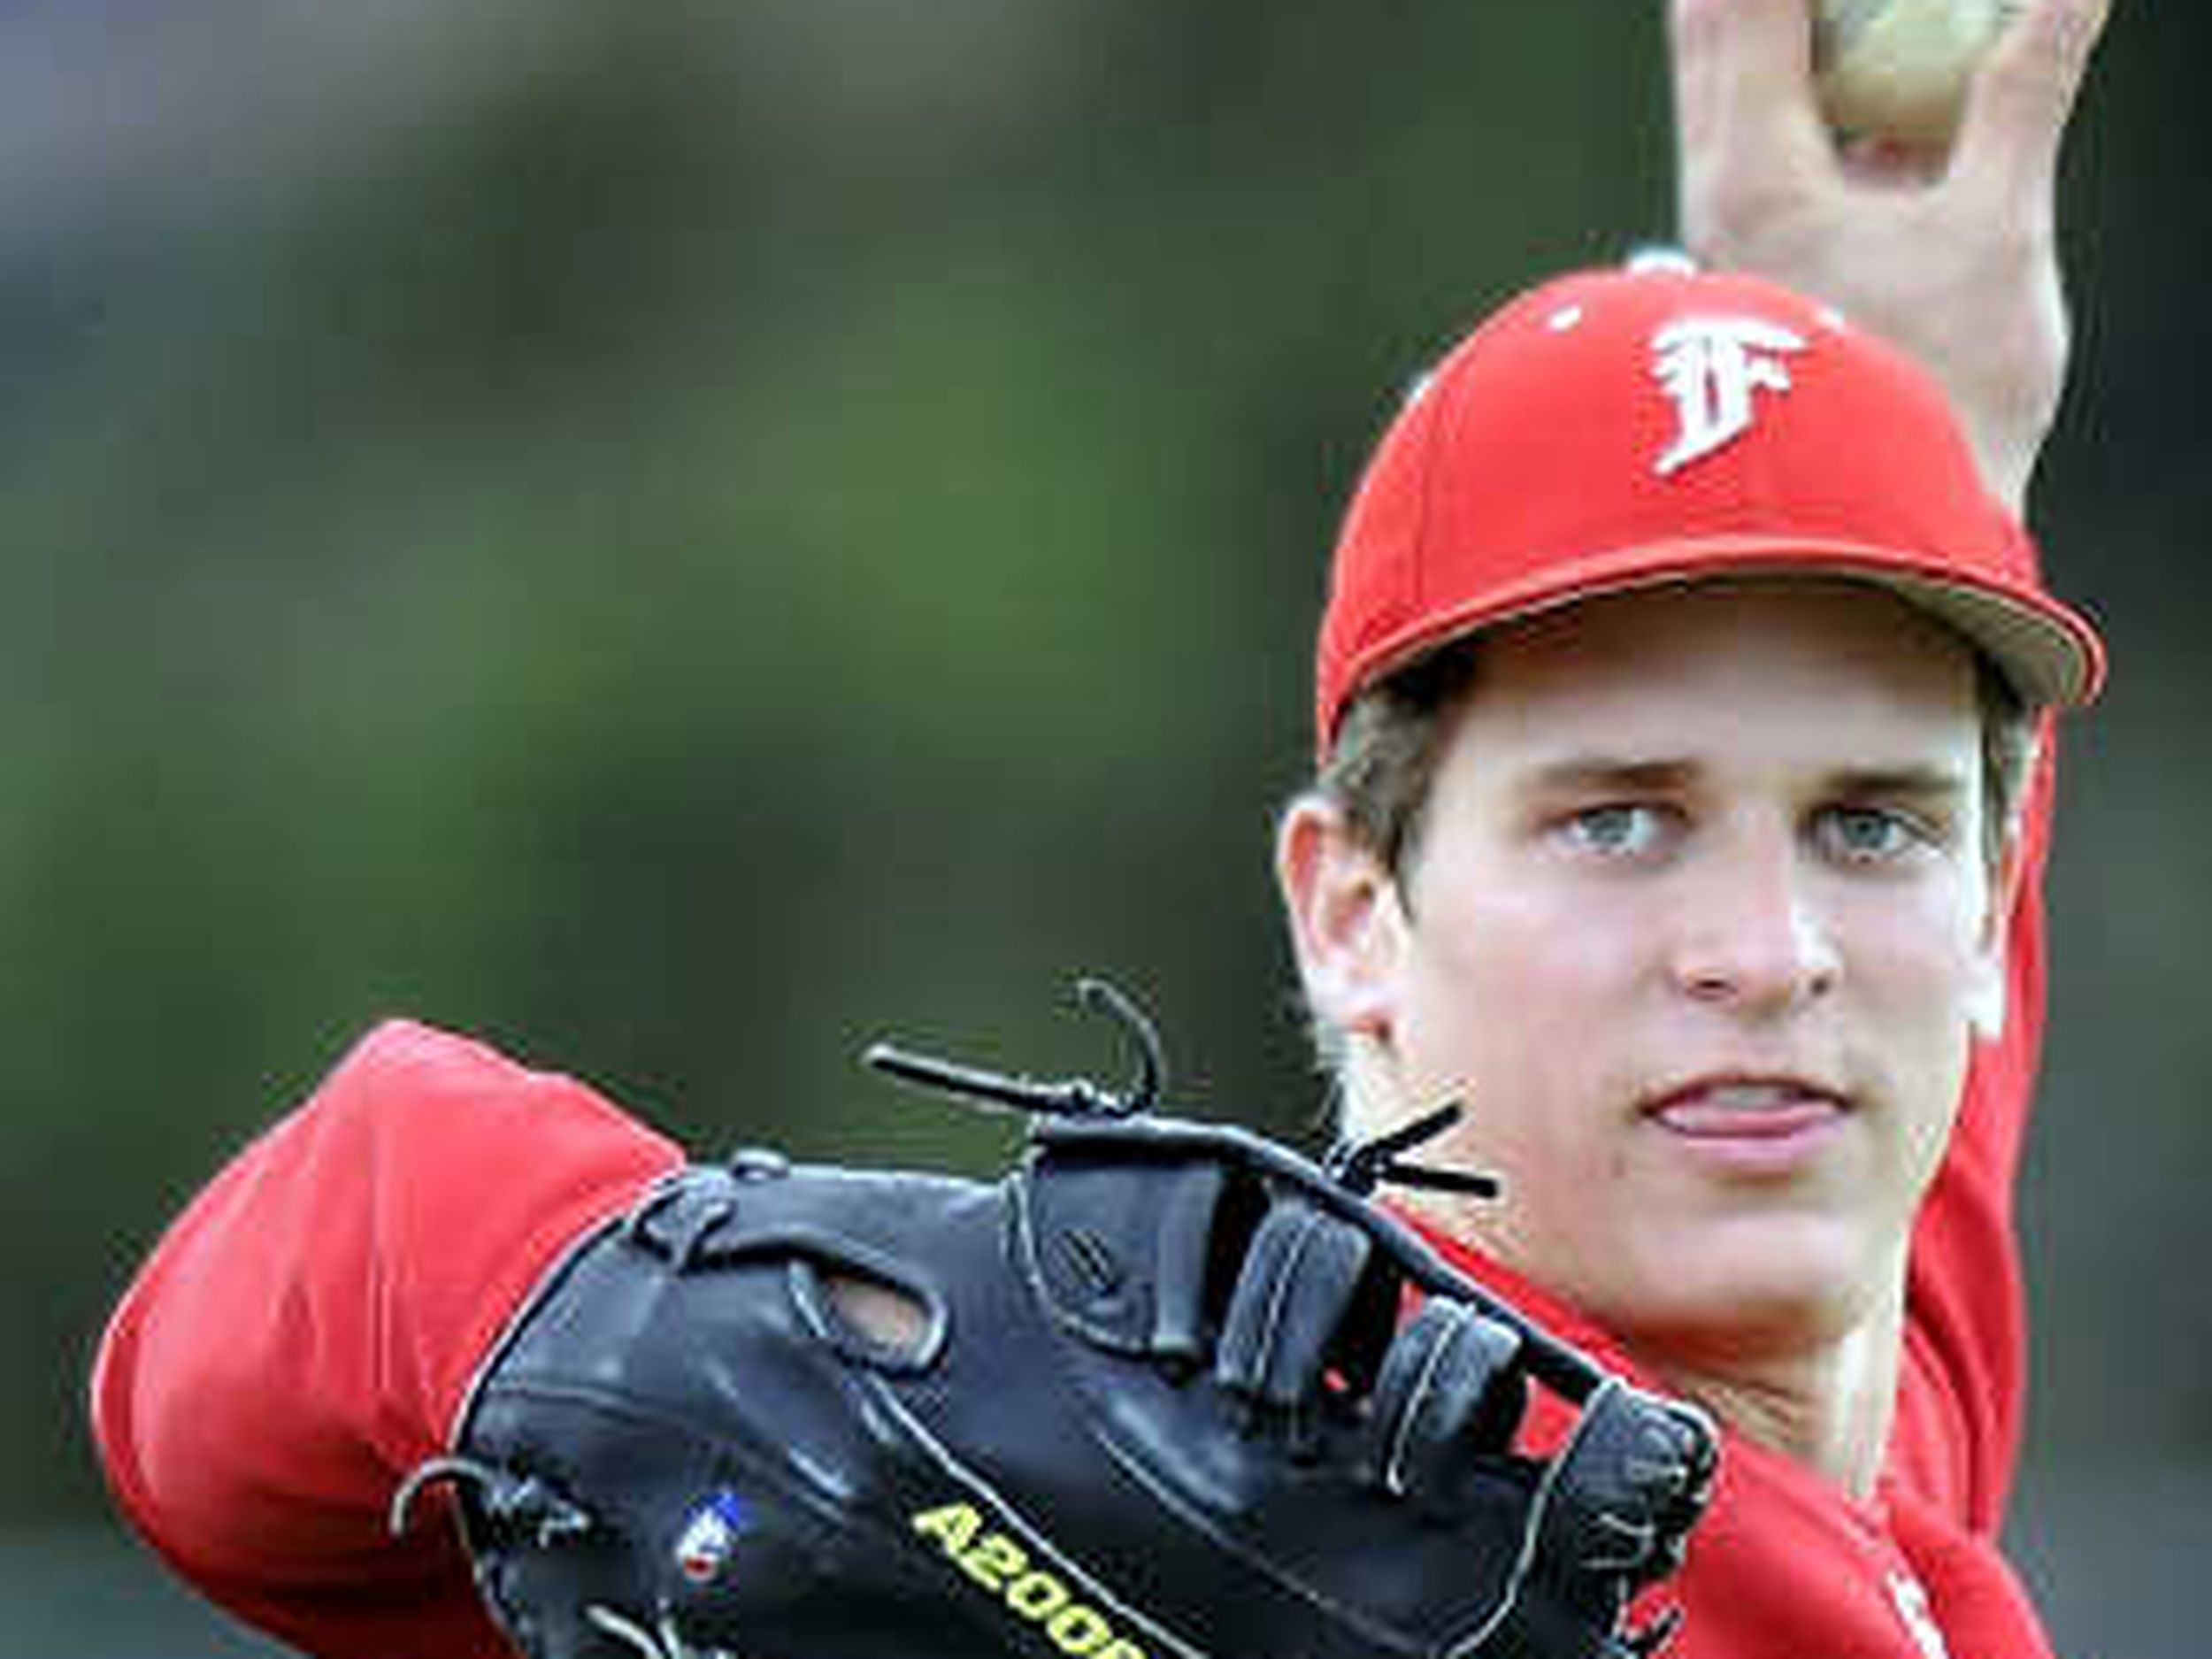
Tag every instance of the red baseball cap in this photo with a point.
(1619, 428)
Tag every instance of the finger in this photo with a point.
(1302, 1274)
(1450, 1397)
(2015, 122)
(1747, 127)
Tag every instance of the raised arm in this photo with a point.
(1954, 257)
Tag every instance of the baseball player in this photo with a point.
(1683, 699)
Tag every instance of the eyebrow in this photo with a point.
(1912, 782)
(1600, 774)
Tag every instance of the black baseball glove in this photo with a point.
(1167, 1390)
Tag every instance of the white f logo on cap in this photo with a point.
(1710, 366)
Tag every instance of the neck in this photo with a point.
(1828, 1407)
(1827, 1403)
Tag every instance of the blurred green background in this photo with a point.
(683, 536)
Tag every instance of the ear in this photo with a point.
(1346, 922)
(1988, 997)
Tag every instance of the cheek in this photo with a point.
(1508, 998)
(1915, 978)
(1922, 961)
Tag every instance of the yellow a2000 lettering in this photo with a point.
(1000, 1565)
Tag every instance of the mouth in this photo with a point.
(1761, 1122)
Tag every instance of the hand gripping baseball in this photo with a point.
(1167, 1390)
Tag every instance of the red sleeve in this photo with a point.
(305, 1333)
(1963, 1393)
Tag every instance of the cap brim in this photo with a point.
(2048, 652)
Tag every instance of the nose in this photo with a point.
(1753, 937)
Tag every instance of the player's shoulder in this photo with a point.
(404, 1051)
(405, 1072)
(408, 1058)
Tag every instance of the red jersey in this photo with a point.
(305, 1334)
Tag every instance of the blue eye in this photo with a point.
(1621, 829)
(1867, 834)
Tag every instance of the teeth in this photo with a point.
(1749, 1097)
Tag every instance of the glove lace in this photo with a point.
(1065, 1097)
(1361, 1166)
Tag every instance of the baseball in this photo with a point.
(1898, 69)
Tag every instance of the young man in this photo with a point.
(1670, 685)
(1676, 683)
(1684, 706)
